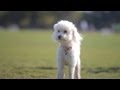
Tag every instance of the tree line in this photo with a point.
(102, 19)
(46, 19)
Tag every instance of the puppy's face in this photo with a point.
(62, 33)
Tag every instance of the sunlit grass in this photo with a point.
(29, 54)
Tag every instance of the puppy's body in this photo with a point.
(69, 49)
(68, 57)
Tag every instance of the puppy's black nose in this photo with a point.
(59, 37)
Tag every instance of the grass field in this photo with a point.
(31, 55)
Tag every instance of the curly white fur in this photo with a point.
(68, 52)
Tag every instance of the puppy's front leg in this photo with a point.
(60, 73)
(60, 68)
(71, 72)
(60, 64)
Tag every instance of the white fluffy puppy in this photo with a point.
(68, 53)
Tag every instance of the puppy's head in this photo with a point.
(65, 31)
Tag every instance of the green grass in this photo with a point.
(28, 54)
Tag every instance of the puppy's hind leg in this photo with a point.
(77, 71)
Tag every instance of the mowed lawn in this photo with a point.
(32, 54)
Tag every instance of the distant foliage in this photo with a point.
(36, 19)
(46, 19)
(102, 19)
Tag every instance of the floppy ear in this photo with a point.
(76, 36)
(54, 33)
(54, 27)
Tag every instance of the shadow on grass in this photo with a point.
(105, 70)
(45, 68)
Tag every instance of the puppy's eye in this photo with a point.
(65, 31)
(58, 30)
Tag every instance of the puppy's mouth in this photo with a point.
(61, 38)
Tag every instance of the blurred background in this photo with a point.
(28, 51)
(84, 20)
